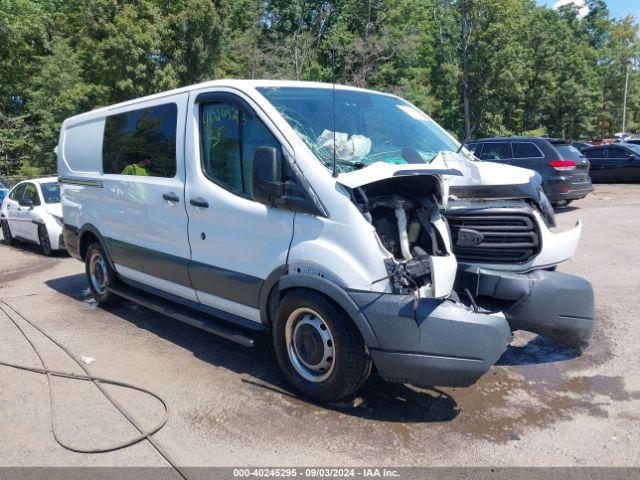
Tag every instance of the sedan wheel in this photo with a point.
(45, 242)
(6, 233)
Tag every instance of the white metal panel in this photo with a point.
(81, 151)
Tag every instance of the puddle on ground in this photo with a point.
(536, 383)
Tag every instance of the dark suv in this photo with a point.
(564, 170)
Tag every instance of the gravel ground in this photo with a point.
(228, 405)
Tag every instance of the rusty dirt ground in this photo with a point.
(228, 405)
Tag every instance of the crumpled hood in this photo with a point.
(381, 171)
(481, 173)
(54, 209)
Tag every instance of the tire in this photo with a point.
(319, 349)
(45, 241)
(100, 275)
(6, 233)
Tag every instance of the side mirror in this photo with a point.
(266, 180)
(25, 202)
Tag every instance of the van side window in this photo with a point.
(229, 139)
(31, 193)
(141, 142)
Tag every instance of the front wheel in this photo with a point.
(6, 233)
(318, 347)
(99, 275)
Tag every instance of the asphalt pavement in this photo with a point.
(543, 405)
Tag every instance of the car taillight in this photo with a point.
(563, 165)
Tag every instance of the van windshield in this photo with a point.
(369, 127)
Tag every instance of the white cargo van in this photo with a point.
(223, 205)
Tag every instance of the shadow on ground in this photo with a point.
(377, 399)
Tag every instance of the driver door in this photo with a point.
(31, 216)
(236, 242)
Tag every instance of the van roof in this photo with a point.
(239, 84)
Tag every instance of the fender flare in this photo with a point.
(89, 228)
(338, 295)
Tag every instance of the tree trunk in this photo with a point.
(464, 34)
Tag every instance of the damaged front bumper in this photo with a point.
(440, 343)
(554, 304)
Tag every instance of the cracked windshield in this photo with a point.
(369, 127)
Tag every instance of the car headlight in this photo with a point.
(59, 220)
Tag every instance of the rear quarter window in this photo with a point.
(141, 142)
(569, 152)
(526, 150)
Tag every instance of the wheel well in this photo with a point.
(277, 295)
(87, 239)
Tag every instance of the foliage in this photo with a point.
(501, 66)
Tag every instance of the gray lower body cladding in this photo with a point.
(554, 304)
(443, 344)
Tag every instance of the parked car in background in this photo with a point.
(563, 168)
(3, 192)
(32, 212)
(581, 144)
(618, 162)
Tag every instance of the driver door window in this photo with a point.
(230, 138)
(31, 193)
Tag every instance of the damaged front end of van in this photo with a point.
(445, 322)
(436, 300)
(424, 334)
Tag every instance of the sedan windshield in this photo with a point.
(369, 127)
(51, 192)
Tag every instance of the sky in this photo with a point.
(618, 8)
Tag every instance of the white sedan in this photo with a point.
(32, 212)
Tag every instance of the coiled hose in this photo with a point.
(98, 382)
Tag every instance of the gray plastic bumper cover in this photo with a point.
(444, 344)
(557, 305)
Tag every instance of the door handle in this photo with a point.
(199, 202)
(171, 197)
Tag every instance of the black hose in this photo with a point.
(97, 381)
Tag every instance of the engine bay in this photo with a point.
(405, 212)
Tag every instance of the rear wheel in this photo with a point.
(319, 349)
(6, 233)
(45, 241)
(99, 275)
